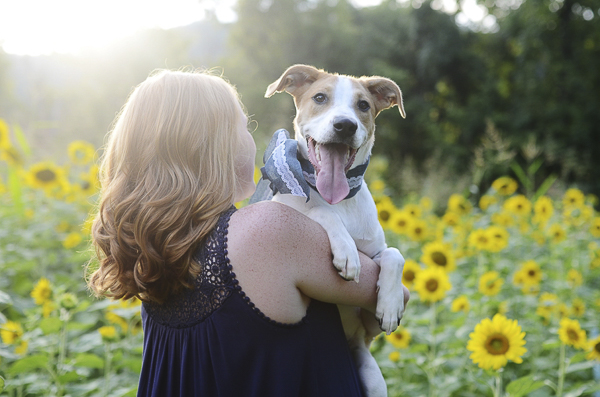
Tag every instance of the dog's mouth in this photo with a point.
(331, 162)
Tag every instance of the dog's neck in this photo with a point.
(291, 173)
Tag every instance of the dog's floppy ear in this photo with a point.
(292, 79)
(385, 92)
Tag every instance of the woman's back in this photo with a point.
(213, 340)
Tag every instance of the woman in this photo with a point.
(235, 302)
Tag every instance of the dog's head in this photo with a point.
(335, 120)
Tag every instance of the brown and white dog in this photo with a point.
(335, 130)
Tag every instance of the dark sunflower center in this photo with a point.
(418, 230)
(531, 273)
(573, 335)
(384, 215)
(597, 347)
(401, 222)
(409, 275)
(45, 175)
(431, 285)
(439, 258)
(398, 336)
(497, 344)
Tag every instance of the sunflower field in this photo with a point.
(505, 290)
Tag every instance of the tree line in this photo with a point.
(521, 100)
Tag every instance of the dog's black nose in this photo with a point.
(344, 127)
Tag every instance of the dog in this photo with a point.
(335, 131)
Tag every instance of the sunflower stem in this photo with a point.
(432, 350)
(498, 388)
(561, 371)
(107, 360)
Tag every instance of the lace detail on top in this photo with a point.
(212, 286)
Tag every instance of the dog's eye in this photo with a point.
(363, 105)
(320, 98)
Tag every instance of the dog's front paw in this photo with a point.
(390, 309)
(346, 260)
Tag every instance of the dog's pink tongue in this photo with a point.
(331, 179)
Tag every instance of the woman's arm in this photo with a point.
(285, 250)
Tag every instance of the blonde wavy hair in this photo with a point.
(167, 173)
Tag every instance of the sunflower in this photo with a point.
(486, 200)
(461, 304)
(594, 347)
(438, 254)
(11, 332)
(72, 240)
(385, 209)
(114, 318)
(518, 205)
(459, 204)
(425, 203)
(577, 216)
(399, 222)
(503, 219)
(479, 239)
(505, 186)
(413, 209)
(543, 209)
(496, 341)
(529, 274)
(547, 305)
(400, 338)
(4, 135)
(42, 291)
(418, 230)
(46, 175)
(108, 333)
(394, 356)
(432, 284)
(570, 333)
(81, 152)
(451, 219)
(557, 233)
(573, 198)
(498, 238)
(12, 156)
(574, 278)
(490, 283)
(411, 269)
(578, 307)
(595, 228)
(47, 308)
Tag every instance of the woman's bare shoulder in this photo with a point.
(278, 223)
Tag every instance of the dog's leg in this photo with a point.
(359, 339)
(390, 296)
(343, 247)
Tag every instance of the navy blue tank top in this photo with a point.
(212, 341)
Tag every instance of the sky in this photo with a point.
(41, 27)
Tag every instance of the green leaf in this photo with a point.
(50, 325)
(523, 386)
(5, 298)
(22, 139)
(547, 184)
(532, 169)
(521, 175)
(28, 364)
(89, 360)
(2, 383)
(580, 366)
(14, 186)
(69, 377)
